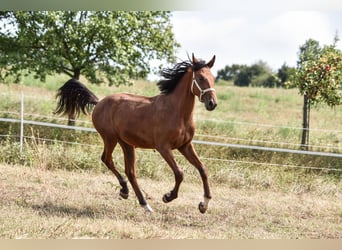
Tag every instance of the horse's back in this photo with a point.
(123, 103)
(118, 112)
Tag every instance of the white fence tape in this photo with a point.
(251, 147)
(22, 121)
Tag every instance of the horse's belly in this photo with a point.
(153, 137)
(137, 139)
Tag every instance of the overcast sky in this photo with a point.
(244, 37)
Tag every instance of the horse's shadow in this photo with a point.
(49, 209)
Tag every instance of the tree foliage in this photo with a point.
(319, 73)
(258, 74)
(229, 73)
(285, 73)
(110, 46)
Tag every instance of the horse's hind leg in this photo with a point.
(108, 161)
(129, 154)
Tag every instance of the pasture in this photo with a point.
(41, 204)
(62, 190)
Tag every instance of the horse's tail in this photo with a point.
(74, 97)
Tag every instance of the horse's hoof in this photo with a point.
(167, 197)
(202, 208)
(124, 195)
(148, 209)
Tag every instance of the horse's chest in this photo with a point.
(188, 131)
(182, 135)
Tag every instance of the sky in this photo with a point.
(246, 36)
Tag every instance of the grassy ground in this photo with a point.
(38, 203)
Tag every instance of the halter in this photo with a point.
(199, 88)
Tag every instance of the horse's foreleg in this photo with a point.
(189, 153)
(168, 157)
(129, 154)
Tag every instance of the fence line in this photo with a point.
(203, 158)
(264, 141)
(271, 125)
(210, 120)
(271, 164)
(282, 150)
(22, 121)
(201, 120)
(197, 135)
(57, 118)
(47, 124)
(251, 147)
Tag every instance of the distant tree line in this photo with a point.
(258, 74)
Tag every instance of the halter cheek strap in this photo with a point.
(202, 91)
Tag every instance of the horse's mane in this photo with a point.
(173, 75)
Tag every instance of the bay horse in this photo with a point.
(163, 122)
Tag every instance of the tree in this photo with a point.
(110, 46)
(229, 73)
(319, 79)
(243, 78)
(267, 80)
(262, 75)
(285, 73)
(258, 74)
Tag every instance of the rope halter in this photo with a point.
(202, 92)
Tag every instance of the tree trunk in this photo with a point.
(71, 120)
(77, 73)
(306, 122)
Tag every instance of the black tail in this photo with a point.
(74, 97)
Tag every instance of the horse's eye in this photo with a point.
(201, 78)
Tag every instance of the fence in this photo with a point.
(23, 122)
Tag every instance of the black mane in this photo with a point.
(173, 75)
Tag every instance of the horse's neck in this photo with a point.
(183, 99)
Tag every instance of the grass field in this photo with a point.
(61, 190)
(37, 203)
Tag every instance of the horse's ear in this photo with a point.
(211, 63)
(194, 59)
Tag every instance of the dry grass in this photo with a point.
(38, 203)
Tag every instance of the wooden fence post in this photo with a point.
(21, 124)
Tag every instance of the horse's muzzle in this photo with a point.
(210, 104)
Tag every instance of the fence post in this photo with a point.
(21, 124)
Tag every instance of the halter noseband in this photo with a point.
(199, 88)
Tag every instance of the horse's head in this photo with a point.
(203, 83)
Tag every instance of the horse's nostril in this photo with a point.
(211, 105)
